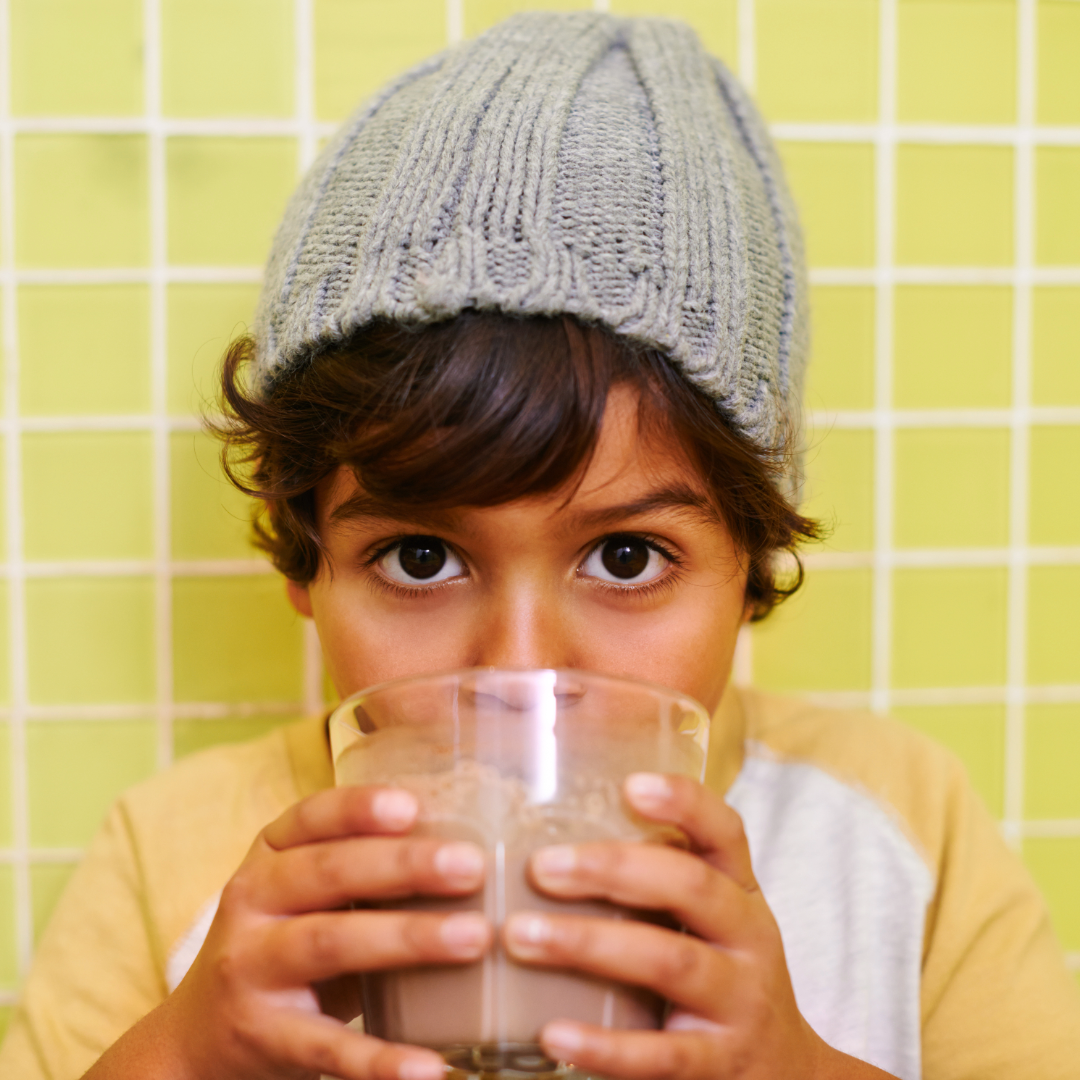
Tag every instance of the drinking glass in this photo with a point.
(512, 760)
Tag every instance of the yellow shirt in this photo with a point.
(915, 939)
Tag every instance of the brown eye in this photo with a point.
(628, 559)
(419, 559)
(625, 557)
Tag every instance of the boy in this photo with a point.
(523, 392)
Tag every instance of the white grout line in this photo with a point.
(455, 21)
(746, 29)
(944, 695)
(941, 558)
(943, 275)
(1072, 961)
(24, 929)
(884, 227)
(159, 381)
(135, 275)
(168, 127)
(948, 418)
(931, 134)
(601, 5)
(304, 51)
(1019, 454)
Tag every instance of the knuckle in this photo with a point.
(700, 884)
(675, 1061)
(682, 962)
(323, 942)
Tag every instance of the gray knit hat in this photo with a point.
(578, 163)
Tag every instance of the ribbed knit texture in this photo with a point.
(577, 163)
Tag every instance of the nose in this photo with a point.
(522, 628)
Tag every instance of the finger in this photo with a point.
(321, 1045)
(343, 811)
(653, 877)
(714, 828)
(314, 948)
(314, 877)
(634, 1055)
(682, 968)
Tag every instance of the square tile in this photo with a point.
(841, 371)
(949, 627)
(236, 639)
(203, 320)
(1052, 749)
(47, 884)
(1057, 210)
(839, 487)
(210, 518)
(9, 953)
(227, 57)
(1058, 75)
(976, 734)
(817, 59)
(1055, 346)
(361, 44)
(226, 196)
(6, 834)
(956, 61)
(833, 184)
(77, 768)
(81, 200)
(73, 58)
(480, 14)
(1054, 862)
(84, 349)
(88, 495)
(952, 488)
(1053, 629)
(191, 736)
(90, 641)
(954, 205)
(716, 21)
(1054, 486)
(952, 347)
(820, 638)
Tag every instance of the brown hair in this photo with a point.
(480, 411)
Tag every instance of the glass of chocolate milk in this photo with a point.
(512, 761)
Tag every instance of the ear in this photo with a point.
(299, 598)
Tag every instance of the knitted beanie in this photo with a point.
(583, 163)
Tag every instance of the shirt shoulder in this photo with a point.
(895, 825)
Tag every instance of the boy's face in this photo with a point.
(633, 575)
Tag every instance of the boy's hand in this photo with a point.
(247, 1008)
(734, 1012)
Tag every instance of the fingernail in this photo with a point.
(562, 1039)
(465, 933)
(555, 861)
(394, 808)
(461, 863)
(527, 934)
(648, 789)
(422, 1068)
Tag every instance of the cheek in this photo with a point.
(688, 645)
(367, 641)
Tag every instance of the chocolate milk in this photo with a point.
(474, 1010)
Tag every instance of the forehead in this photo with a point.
(632, 469)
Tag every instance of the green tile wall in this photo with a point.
(134, 250)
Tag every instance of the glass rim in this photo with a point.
(691, 703)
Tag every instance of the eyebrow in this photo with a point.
(677, 498)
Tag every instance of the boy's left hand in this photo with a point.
(734, 1013)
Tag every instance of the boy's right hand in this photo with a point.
(247, 1009)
